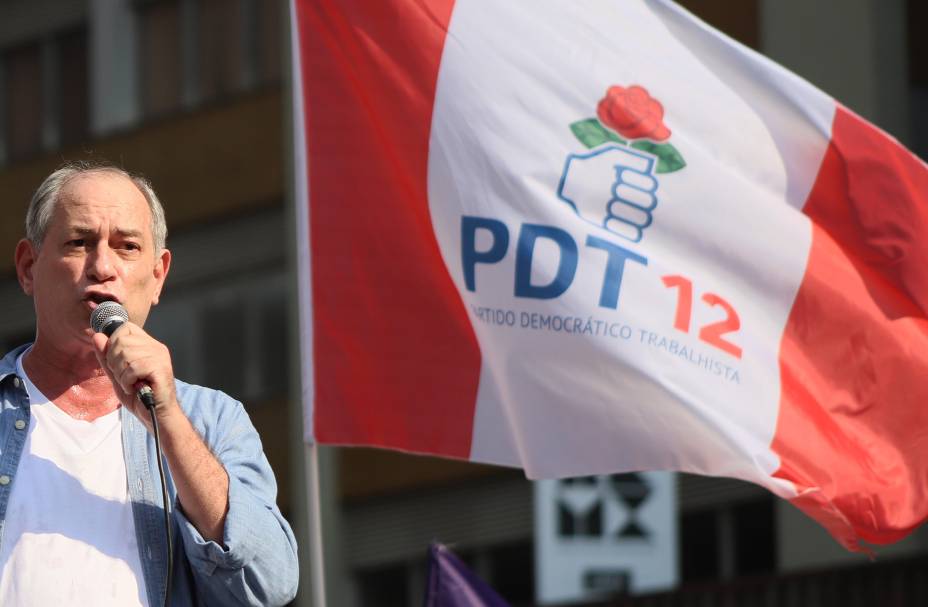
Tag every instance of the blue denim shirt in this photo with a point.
(257, 564)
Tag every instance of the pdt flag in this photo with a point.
(590, 237)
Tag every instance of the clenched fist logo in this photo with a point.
(613, 188)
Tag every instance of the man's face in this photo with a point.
(98, 246)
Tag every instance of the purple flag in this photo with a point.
(452, 584)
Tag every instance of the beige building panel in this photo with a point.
(214, 162)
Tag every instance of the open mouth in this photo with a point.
(95, 299)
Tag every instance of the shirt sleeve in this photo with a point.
(257, 563)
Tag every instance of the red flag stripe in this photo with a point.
(397, 364)
(854, 357)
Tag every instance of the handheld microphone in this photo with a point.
(106, 318)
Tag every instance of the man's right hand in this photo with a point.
(131, 357)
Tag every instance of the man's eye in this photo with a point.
(77, 242)
(132, 246)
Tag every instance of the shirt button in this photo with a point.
(20, 424)
(17, 382)
(4, 480)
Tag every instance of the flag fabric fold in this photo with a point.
(585, 237)
(451, 583)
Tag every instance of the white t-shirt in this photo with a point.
(69, 536)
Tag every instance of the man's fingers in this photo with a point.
(127, 376)
(134, 371)
(124, 397)
(133, 358)
(99, 344)
(120, 347)
(123, 357)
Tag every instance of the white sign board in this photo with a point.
(598, 536)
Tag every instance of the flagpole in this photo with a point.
(315, 524)
(301, 397)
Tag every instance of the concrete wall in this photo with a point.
(855, 50)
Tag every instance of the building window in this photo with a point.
(220, 44)
(224, 364)
(73, 111)
(24, 100)
(384, 587)
(44, 90)
(196, 51)
(272, 338)
(232, 337)
(730, 541)
(754, 537)
(160, 57)
(699, 546)
(269, 43)
(512, 572)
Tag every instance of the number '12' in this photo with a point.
(713, 332)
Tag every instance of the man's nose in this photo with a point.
(100, 263)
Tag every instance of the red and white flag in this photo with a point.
(590, 237)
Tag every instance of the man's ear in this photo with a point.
(160, 273)
(24, 258)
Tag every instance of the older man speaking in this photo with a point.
(80, 503)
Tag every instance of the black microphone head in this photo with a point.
(107, 317)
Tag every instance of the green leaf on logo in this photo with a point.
(669, 159)
(591, 133)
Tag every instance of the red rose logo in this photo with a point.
(633, 113)
(630, 117)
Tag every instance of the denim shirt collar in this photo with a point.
(8, 363)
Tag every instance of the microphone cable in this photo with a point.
(149, 403)
(106, 318)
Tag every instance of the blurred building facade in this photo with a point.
(191, 93)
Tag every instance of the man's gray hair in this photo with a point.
(46, 196)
